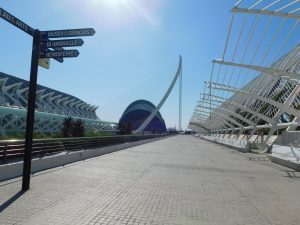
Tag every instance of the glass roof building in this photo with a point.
(51, 108)
(137, 112)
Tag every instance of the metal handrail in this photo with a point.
(12, 149)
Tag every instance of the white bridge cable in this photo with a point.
(258, 48)
(201, 96)
(160, 104)
(228, 36)
(277, 5)
(295, 10)
(265, 84)
(250, 35)
(245, 51)
(251, 7)
(239, 2)
(292, 3)
(226, 44)
(268, 6)
(273, 40)
(220, 92)
(256, 51)
(211, 75)
(237, 45)
(235, 49)
(278, 53)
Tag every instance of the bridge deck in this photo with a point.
(178, 180)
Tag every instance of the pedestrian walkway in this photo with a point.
(179, 180)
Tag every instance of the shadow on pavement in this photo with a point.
(11, 200)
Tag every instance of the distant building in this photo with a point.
(51, 108)
(137, 112)
(172, 130)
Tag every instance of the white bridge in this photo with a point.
(253, 93)
(156, 110)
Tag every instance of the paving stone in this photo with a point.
(178, 180)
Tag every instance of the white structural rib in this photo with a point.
(224, 115)
(199, 124)
(283, 107)
(266, 12)
(255, 113)
(221, 119)
(155, 111)
(257, 84)
(269, 71)
(233, 113)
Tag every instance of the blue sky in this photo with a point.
(133, 55)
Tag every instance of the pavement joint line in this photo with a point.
(131, 187)
(10, 181)
(137, 143)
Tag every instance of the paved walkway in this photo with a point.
(179, 180)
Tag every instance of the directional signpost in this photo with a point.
(22, 26)
(57, 46)
(63, 53)
(61, 43)
(41, 50)
(16, 22)
(68, 33)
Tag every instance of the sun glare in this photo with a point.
(117, 13)
(111, 3)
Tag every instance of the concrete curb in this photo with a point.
(13, 170)
(243, 150)
(284, 162)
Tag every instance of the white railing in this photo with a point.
(231, 142)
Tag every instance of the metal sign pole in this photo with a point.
(41, 40)
(30, 110)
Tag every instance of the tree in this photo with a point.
(124, 128)
(67, 127)
(72, 129)
(78, 128)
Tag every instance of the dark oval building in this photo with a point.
(137, 112)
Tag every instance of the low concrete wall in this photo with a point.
(289, 137)
(284, 162)
(259, 146)
(285, 155)
(13, 170)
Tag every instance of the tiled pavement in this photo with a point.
(178, 180)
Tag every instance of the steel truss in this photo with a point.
(255, 86)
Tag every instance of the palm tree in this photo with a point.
(78, 128)
(67, 127)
